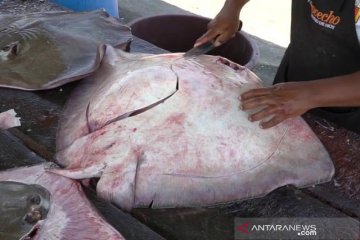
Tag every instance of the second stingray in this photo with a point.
(47, 50)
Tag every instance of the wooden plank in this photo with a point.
(129, 227)
(14, 154)
(343, 146)
(39, 112)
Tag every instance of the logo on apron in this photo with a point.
(325, 19)
(357, 10)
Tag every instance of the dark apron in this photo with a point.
(322, 46)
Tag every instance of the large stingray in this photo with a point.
(46, 50)
(167, 131)
(39, 205)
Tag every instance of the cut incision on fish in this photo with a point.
(40, 205)
(167, 131)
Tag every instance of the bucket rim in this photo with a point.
(254, 57)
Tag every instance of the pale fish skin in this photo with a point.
(8, 119)
(71, 215)
(167, 131)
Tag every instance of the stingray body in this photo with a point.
(167, 131)
(40, 205)
(8, 119)
(46, 50)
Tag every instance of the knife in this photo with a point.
(202, 49)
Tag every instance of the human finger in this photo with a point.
(273, 121)
(257, 102)
(257, 92)
(206, 37)
(223, 38)
(264, 113)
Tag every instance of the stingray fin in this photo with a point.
(118, 182)
(79, 173)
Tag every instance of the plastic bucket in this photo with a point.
(177, 33)
(111, 6)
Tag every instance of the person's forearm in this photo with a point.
(224, 25)
(234, 5)
(341, 91)
(272, 105)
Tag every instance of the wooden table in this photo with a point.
(34, 142)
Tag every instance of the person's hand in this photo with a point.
(277, 103)
(221, 28)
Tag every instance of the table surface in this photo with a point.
(34, 142)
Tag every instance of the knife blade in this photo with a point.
(202, 49)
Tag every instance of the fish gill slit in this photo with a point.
(140, 110)
(87, 118)
(32, 234)
(151, 204)
(138, 162)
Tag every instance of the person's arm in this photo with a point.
(224, 25)
(292, 99)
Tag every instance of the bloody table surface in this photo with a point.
(34, 142)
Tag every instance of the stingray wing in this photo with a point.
(71, 215)
(47, 50)
(196, 147)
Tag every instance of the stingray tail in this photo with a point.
(78, 173)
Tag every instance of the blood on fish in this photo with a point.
(176, 119)
(193, 145)
(226, 62)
